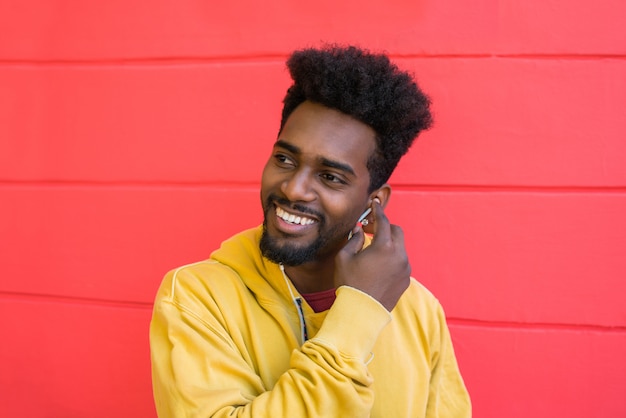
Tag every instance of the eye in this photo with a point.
(283, 161)
(332, 178)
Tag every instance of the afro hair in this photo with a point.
(368, 87)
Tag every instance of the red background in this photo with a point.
(132, 137)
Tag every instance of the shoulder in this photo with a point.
(223, 270)
(418, 303)
(198, 283)
(417, 291)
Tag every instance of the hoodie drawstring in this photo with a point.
(297, 301)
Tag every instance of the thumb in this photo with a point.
(354, 244)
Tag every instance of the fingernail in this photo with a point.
(354, 231)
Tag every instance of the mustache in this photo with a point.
(272, 198)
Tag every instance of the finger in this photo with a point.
(399, 248)
(369, 227)
(397, 235)
(355, 243)
(382, 231)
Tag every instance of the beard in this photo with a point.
(283, 251)
(287, 253)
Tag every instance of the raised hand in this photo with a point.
(381, 270)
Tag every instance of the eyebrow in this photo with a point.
(324, 161)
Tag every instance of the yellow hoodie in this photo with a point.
(225, 340)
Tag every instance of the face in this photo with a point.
(314, 185)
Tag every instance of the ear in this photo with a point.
(383, 193)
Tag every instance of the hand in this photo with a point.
(381, 270)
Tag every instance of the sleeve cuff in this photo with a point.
(354, 323)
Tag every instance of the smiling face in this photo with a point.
(314, 185)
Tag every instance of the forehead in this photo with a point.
(322, 132)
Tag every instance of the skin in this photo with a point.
(318, 172)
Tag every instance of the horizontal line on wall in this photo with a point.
(508, 188)
(149, 61)
(275, 58)
(520, 56)
(571, 56)
(33, 297)
(452, 188)
(462, 322)
(534, 326)
(165, 185)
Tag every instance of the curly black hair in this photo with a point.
(368, 87)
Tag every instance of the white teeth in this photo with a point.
(291, 218)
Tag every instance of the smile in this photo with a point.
(293, 219)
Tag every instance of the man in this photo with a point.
(306, 316)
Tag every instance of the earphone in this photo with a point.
(362, 220)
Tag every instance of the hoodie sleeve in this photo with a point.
(199, 372)
(447, 396)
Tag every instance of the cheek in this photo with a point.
(266, 179)
(264, 193)
(343, 213)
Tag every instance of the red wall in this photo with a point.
(132, 136)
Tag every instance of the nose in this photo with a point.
(298, 186)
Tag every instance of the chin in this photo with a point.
(284, 250)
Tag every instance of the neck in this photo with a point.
(312, 277)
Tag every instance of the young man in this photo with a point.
(306, 316)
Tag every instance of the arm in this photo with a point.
(386, 258)
(381, 270)
(198, 370)
(448, 397)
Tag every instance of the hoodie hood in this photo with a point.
(241, 254)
